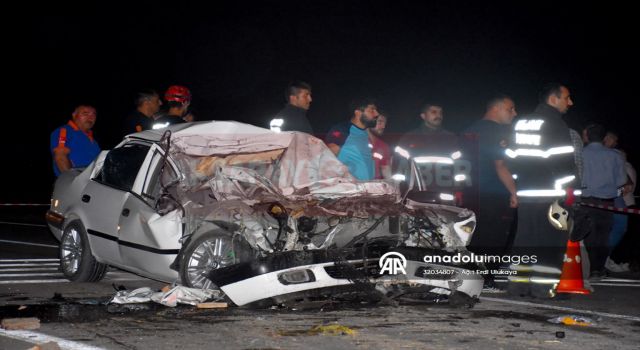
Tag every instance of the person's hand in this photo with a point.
(513, 201)
(627, 188)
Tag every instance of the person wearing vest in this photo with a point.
(541, 157)
(73, 145)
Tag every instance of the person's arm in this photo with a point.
(334, 148)
(335, 138)
(507, 180)
(630, 186)
(61, 157)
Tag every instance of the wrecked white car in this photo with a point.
(263, 216)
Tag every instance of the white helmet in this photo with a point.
(559, 217)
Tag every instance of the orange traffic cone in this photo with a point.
(571, 279)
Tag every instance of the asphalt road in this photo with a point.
(77, 316)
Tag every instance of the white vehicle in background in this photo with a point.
(264, 216)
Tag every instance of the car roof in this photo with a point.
(200, 128)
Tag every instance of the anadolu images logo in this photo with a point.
(393, 263)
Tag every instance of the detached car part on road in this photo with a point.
(264, 216)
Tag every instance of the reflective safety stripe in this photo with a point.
(563, 181)
(518, 279)
(535, 268)
(544, 280)
(460, 177)
(537, 280)
(62, 138)
(556, 191)
(399, 177)
(276, 124)
(160, 125)
(456, 155)
(403, 152)
(529, 124)
(377, 155)
(430, 159)
(528, 139)
(529, 152)
(447, 197)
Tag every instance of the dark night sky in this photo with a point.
(237, 58)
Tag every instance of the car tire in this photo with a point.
(77, 262)
(209, 251)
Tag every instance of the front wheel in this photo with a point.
(76, 260)
(210, 251)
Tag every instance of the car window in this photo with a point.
(152, 187)
(121, 166)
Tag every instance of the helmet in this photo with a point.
(177, 93)
(559, 217)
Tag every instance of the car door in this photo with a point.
(148, 241)
(104, 196)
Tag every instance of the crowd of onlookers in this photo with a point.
(588, 160)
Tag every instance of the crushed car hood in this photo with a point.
(291, 164)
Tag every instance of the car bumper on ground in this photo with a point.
(290, 273)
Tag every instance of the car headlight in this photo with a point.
(296, 277)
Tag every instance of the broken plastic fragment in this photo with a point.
(573, 320)
(171, 297)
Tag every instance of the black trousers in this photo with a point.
(494, 222)
(597, 241)
(536, 238)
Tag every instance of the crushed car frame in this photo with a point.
(264, 216)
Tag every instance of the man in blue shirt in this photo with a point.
(603, 175)
(73, 145)
(350, 142)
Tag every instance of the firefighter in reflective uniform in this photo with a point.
(178, 101)
(430, 156)
(541, 158)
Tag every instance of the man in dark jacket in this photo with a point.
(148, 103)
(293, 117)
(495, 185)
(541, 155)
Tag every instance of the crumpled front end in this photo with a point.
(299, 210)
(291, 276)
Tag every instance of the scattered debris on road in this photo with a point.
(212, 305)
(46, 346)
(20, 323)
(327, 329)
(573, 320)
(171, 297)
